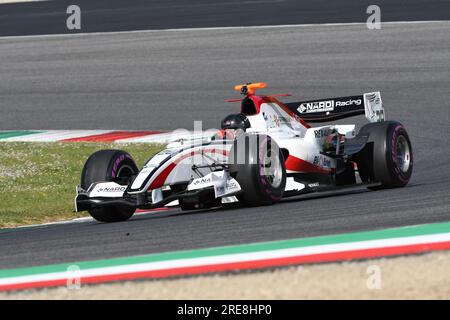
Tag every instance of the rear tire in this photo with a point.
(257, 163)
(391, 159)
(109, 166)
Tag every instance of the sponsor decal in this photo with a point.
(355, 102)
(112, 189)
(327, 105)
(322, 161)
(275, 120)
(200, 181)
(313, 185)
(318, 106)
(231, 186)
(321, 133)
(220, 190)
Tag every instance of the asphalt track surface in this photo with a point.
(49, 17)
(154, 80)
(167, 79)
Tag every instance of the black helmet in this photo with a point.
(235, 121)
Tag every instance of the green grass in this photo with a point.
(37, 180)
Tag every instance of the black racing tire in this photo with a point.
(109, 166)
(392, 156)
(262, 182)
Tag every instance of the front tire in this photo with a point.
(257, 163)
(109, 166)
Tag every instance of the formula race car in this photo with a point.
(264, 153)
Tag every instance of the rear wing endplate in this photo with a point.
(325, 110)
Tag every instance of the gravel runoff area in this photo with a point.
(410, 277)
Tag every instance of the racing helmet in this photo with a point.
(235, 121)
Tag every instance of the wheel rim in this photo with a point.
(272, 169)
(403, 154)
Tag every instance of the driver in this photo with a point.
(230, 124)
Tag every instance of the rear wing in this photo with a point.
(325, 110)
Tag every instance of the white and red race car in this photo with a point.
(264, 153)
